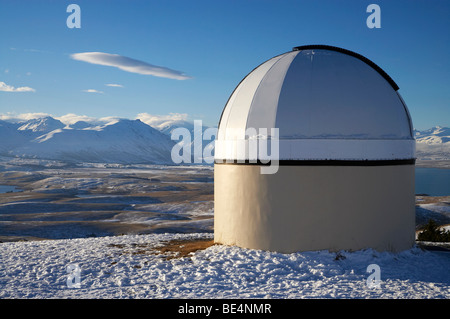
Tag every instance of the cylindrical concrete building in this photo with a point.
(341, 152)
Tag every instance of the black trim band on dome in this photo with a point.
(351, 53)
(411, 161)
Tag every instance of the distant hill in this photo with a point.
(120, 141)
(433, 144)
(41, 125)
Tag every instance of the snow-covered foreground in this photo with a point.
(131, 267)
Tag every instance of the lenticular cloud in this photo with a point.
(128, 64)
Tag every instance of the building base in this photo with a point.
(303, 208)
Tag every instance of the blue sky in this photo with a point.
(215, 43)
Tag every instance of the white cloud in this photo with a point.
(93, 91)
(155, 121)
(159, 120)
(72, 118)
(108, 120)
(9, 88)
(13, 117)
(128, 64)
(115, 85)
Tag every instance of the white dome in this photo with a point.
(328, 104)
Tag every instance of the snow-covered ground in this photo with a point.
(438, 210)
(156, 204)
(130, 267)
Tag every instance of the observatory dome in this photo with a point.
(327, 103)
(342, 177)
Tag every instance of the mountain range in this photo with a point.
(433, 144)
(119, 141)
(127, 141)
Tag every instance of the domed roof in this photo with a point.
(327, 103)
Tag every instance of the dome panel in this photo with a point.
(263, 110)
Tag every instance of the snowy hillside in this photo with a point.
(435, 135)
(133, 266)
(433, 144)
(167, 126)
(44, 125)
(119, 141)
(11, 137)
(198, 136)
(109, 140)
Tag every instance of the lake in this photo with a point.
(8, 188)
(433, 181)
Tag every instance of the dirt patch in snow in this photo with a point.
(183, 248)
(176, 248)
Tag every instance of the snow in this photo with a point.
(112, 140)
(433, 144)
(44, 124)
(124, 141)
(442, 208)
(117, 267)
(438, 211)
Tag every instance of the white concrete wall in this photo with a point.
(303, 208)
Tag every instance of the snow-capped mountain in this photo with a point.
(435, 135)
(197, 134)
(121, 141)
(433, 144)
(41, 125)
(167, 126)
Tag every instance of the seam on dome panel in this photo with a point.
(256, 91)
